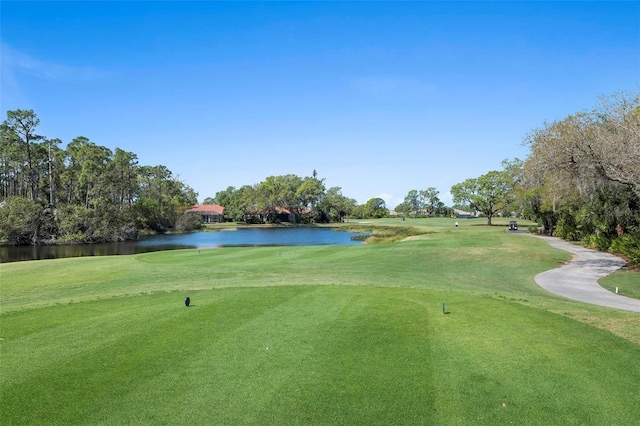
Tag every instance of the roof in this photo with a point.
(458, 211)
(206, 209)
(287, 211)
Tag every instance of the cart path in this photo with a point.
(578, 279)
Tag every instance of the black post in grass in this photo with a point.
(187, 302)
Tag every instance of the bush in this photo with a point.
(188, 222)
(78, 224)
(20, 221)
(598, 241)
(629, 245)
(567, 228)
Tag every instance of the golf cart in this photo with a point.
(513, 225)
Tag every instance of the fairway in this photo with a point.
(314, 335)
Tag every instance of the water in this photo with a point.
(243, 237)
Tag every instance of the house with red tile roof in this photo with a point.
(210, 213)
(285, 215)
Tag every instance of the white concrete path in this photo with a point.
(578, 279)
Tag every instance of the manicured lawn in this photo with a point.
(314, 335)
(627, 281)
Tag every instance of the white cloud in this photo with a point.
(16, 61)
(11, 94)
(447, 198)
(390, 201)
(16, 65)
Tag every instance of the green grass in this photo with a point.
(314, 335)
(627, 281)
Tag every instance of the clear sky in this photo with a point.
(378, 97)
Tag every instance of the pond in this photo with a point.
(242, 237)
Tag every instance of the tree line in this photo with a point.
(422, 203)
(83, 193)
(87, 193)
(306, 198)
(581, 180)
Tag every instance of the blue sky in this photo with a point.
(378, 97)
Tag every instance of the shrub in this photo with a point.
(567, 228)
(629, 245)
(78, 224)
(188, 222)
(20, 221)
(598, 241)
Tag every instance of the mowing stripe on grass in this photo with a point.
(303, 353)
